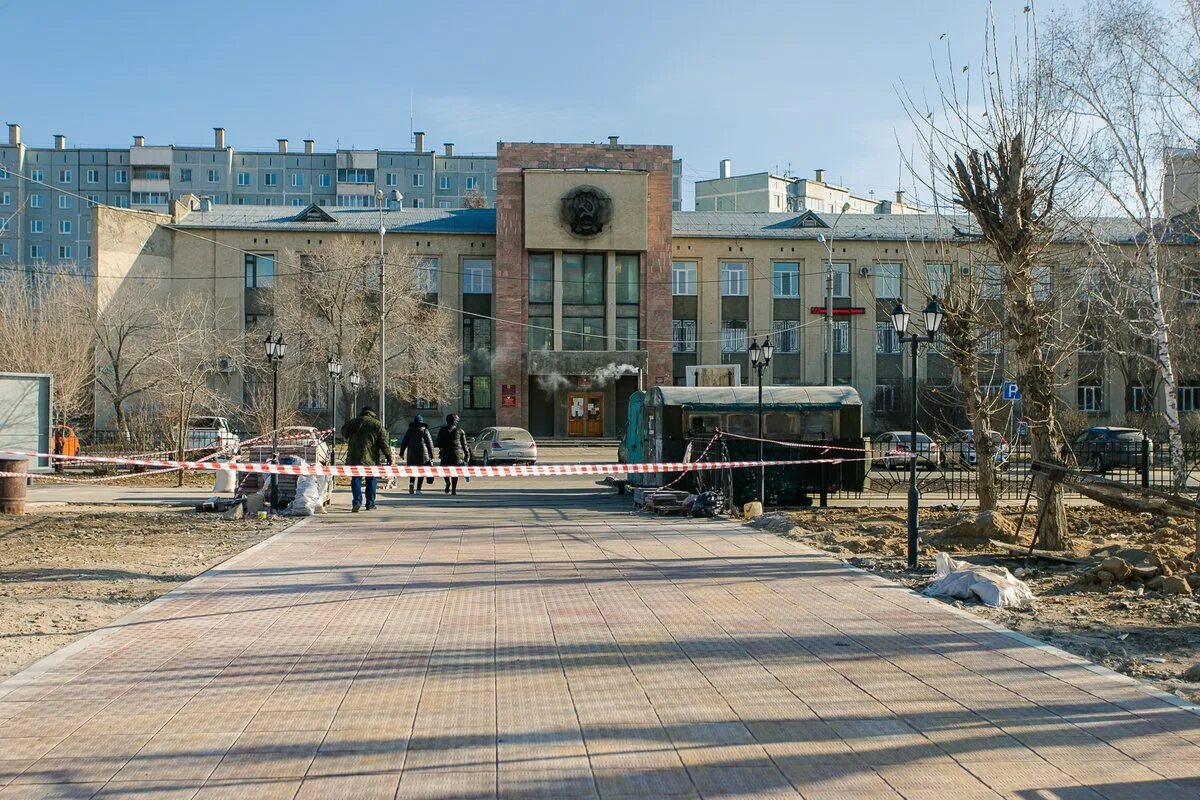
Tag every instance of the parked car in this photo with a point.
(1103, 447)
(205, 432)
(507, 445)
(959, 448)
(893, 450)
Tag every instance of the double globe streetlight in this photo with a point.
(933, 320)
(760, 358)
(276, 349)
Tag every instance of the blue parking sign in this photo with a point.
(1010, 391)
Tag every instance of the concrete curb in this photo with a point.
(38, 668)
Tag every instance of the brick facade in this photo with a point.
(511, 266)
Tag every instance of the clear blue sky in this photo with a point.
(768, 84)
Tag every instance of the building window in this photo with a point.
(64, 226)
(37, 175)
(937, 277)
(64, 201)
(323, 181)
(418, 202)
(297, 179)
(541, 278)
(65, 176)
(93, 200)
(885, 397)
(36, 251)
(785, 335)
(734, 279)
(470, 183)
(841, 279)
(185, 175)
(1043, 283)
(841, 337)
(149, 198)
(989, 342)
(297, 201)
(989, 282)
(583, 278)
(270, 179)
(260, 271)
(122, 201)
(541, 335)
(313, 397)
(683, 278)
(477, 276)
(493, 183)
(35, 201)
(392, 179)
(1190, 289)
(355, 201)
(627, 333)
(786, 278)
(1189, 397)
(4, 249)
(887, 342)
(443, 204)
(477, 392)
(418, 180)
(35, 226)
(356, 176)
(887, 281)
(93, 176)
(584, 333)
(627, 278)
(254, 321)
(4, 173)
(64, 252)
(120, 176)
(214, 176)
(1140, 399)
(428, 271)
(1090, 396)
(243, 179)
(444, 182)
(683, 335)
(477, 335)
(733, 336)
(5, 198)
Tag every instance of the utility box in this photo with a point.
(27, 415)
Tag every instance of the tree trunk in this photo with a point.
(181, 438)
(985, 450)
(1166, 367)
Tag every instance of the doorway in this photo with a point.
(585, 414)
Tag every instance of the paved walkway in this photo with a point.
(545, 643)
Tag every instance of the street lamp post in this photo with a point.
(335, 375)
(760, 357)
(933, 321)
(829, 294)
(355, 382)
(379, 201)
(276, 349)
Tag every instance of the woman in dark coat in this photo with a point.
(417, 449)
(453, 449)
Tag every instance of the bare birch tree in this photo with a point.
(124, 329)
(1105, 64)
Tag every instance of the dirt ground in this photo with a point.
(1134, 626)
(65, 571)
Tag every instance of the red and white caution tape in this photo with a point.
(824, 448)
(414, 471)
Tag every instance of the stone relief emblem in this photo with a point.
(586, 210)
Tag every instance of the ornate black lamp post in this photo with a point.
(355, 382)
(335, 375)
(276, 349)
(760, 357)
(933, 321)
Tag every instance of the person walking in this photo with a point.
(453, 449)
(366, 446)
(416, 448)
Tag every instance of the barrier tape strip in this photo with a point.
(418, 471)
(257, 441)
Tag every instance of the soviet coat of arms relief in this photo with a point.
(585, 210)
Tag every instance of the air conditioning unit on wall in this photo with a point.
(226, 365)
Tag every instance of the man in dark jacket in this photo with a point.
(453, 449)
(366, 445)
(417, 449)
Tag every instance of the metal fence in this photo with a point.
(952, 476)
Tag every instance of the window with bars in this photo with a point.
(477, 335)
(683, 335)
(887, 341)
(734, 336)
(885, 397)
(477, 392)
(785, 335)
(841, 337)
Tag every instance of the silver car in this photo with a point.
(959, 450)
(504, 445)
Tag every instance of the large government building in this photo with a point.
(583, 283)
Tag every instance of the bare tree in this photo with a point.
(44, 325)
(1105, 64)
(124, 328)
(999, 163)
(475, 199)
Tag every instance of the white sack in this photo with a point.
(993, 586)
(310, 495)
